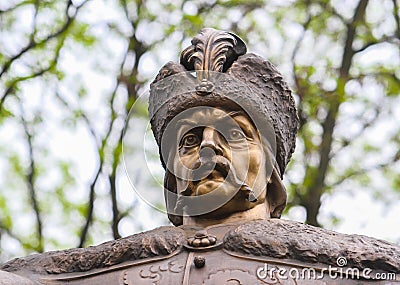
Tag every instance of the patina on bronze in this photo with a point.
(225, 123)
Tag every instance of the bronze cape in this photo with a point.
(163, 256)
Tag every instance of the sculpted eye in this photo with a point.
(235, 135)
(190, 140)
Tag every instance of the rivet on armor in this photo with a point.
(201, 239)
(199, 261)
(205, 87)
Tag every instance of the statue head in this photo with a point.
(225, 123)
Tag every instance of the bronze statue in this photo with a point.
(225, 123)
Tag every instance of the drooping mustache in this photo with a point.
(202, 167)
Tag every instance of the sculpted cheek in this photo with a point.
(188, 157)
(240, 161)
(256, 155)
(256, 172)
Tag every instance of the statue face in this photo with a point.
(220, 154)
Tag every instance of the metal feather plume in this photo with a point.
(212, 50)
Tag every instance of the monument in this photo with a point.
(225, 123)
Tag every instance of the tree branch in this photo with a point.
(30, 180)
(38, 73)
(390, 39)
(90, 208)
(101, 153)
(82, 115)
(113, 189)
(133, 85)
(33, 44)
(362, 171)
(12, 8)
(366, 125)
(313, 199)
(92, 193)
(35, 14)
(10, 233)
(300, 89)
(396, 12)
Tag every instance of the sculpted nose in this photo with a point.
(210, 144)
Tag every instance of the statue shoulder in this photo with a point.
(158, 242)
(284, 239)
(7, 278)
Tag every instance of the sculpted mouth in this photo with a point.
(215, 168)
(214, 175)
